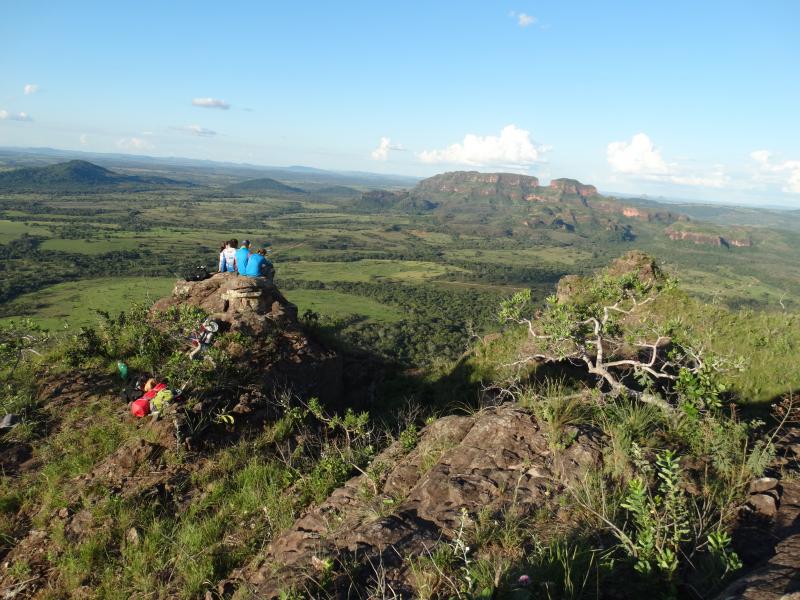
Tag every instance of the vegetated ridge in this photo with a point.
(77, 176)
(263, 185)
(292, 470)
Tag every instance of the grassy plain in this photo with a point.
(161, 233)
(338, 304)
(11, 230)
(76, 303)
(365, 270)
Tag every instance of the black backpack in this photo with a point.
(197, 274)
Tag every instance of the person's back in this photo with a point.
(228, 261)
(242, 256)
(255, 265)
(222, 256)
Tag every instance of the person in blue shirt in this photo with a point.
(259, 266)
(242, 256)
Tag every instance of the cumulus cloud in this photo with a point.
(30, 88)
(134, 143)
(84, 139)
(11, 116)
(523, 20)
(382, 151)
(641, 159)
(786, 172)
(211, 103)
(513, 148)
(638, 157)
(197, 130)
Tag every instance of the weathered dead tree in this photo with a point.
(603, 327)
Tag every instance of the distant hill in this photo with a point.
(206, 172)
(263, 185)
(78, 176)
(485, 203)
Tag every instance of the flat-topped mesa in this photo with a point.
(573, 186)
(482, 184)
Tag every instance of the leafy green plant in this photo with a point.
(699, 389)
(409, 437)
(660, 518)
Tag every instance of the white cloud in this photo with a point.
(640, 159)
(84, 139)
(786, 173)
(30, 88)
(9, 116)
(197, 130)
(525, 20)
(134, 143)
(211, 103)
(513, 148)
(382, 151)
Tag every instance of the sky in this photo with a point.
(681, 99)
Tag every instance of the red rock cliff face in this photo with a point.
(573, 186)
(708, 239)
(641, 214)
(635, 213)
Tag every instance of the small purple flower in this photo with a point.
(524, 580)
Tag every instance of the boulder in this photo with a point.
(763, 484)
(277, 349)
(763, 505)
(461, 466)
(249, 304)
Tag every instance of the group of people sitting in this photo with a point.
(236, 258)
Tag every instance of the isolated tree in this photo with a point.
(18, 340)
(602, 324)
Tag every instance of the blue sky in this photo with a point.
(682, 99)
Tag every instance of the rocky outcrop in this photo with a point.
(243, 303)
(708, 239)
(277, 349)
(613, 206)
(767, 536)
(473, 184)
(771, 528)
(476, 463)
(573, 186)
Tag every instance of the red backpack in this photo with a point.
(141, 407)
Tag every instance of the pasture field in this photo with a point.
(90, 246)
(364, 270)
(11, 230)
(73, 304)
(338, 304)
